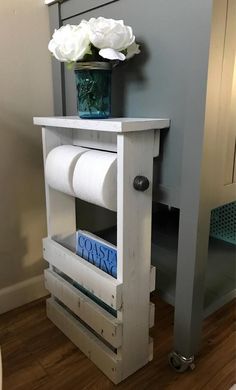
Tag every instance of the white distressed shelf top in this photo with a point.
(114, 125)
(48, 2)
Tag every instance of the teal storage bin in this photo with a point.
(223, 223)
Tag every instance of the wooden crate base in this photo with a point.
(85, 308)
(87, 342)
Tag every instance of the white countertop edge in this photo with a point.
(116, 125)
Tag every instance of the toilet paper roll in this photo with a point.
(59, 168)
(95, 178)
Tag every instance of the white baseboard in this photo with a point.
(21, 293)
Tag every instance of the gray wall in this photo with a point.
(167, 80)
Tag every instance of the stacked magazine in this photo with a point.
(97, 251)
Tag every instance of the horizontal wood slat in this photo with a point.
(87, 342)
(106, 141)
(104, 286)
(102, 322)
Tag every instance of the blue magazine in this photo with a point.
(97, 251)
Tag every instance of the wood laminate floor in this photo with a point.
(36, 355)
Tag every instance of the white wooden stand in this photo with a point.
(118, 346)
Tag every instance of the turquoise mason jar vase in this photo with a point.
(93, 83)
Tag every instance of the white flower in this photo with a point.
(70, 43)
(132, 50)
(110, 34)
(111, 54)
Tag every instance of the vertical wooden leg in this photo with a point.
(134, 211)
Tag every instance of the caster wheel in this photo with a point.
(180, 363)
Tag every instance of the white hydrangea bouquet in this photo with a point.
(93, 48)
(96, 39)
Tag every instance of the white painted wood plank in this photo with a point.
(151, 314)
(106, 141)
(150, 356)
(152, 278)
(91, 313)
(95, 140)
(99, 283)
(87, 342)
(61, 218)
(156, 145)
(134, 247)
(116, 125)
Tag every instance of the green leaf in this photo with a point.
(70, 65)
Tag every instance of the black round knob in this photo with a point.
(141, 183)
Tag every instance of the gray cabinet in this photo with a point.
(186, 72)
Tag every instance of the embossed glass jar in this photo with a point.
(93, 83)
